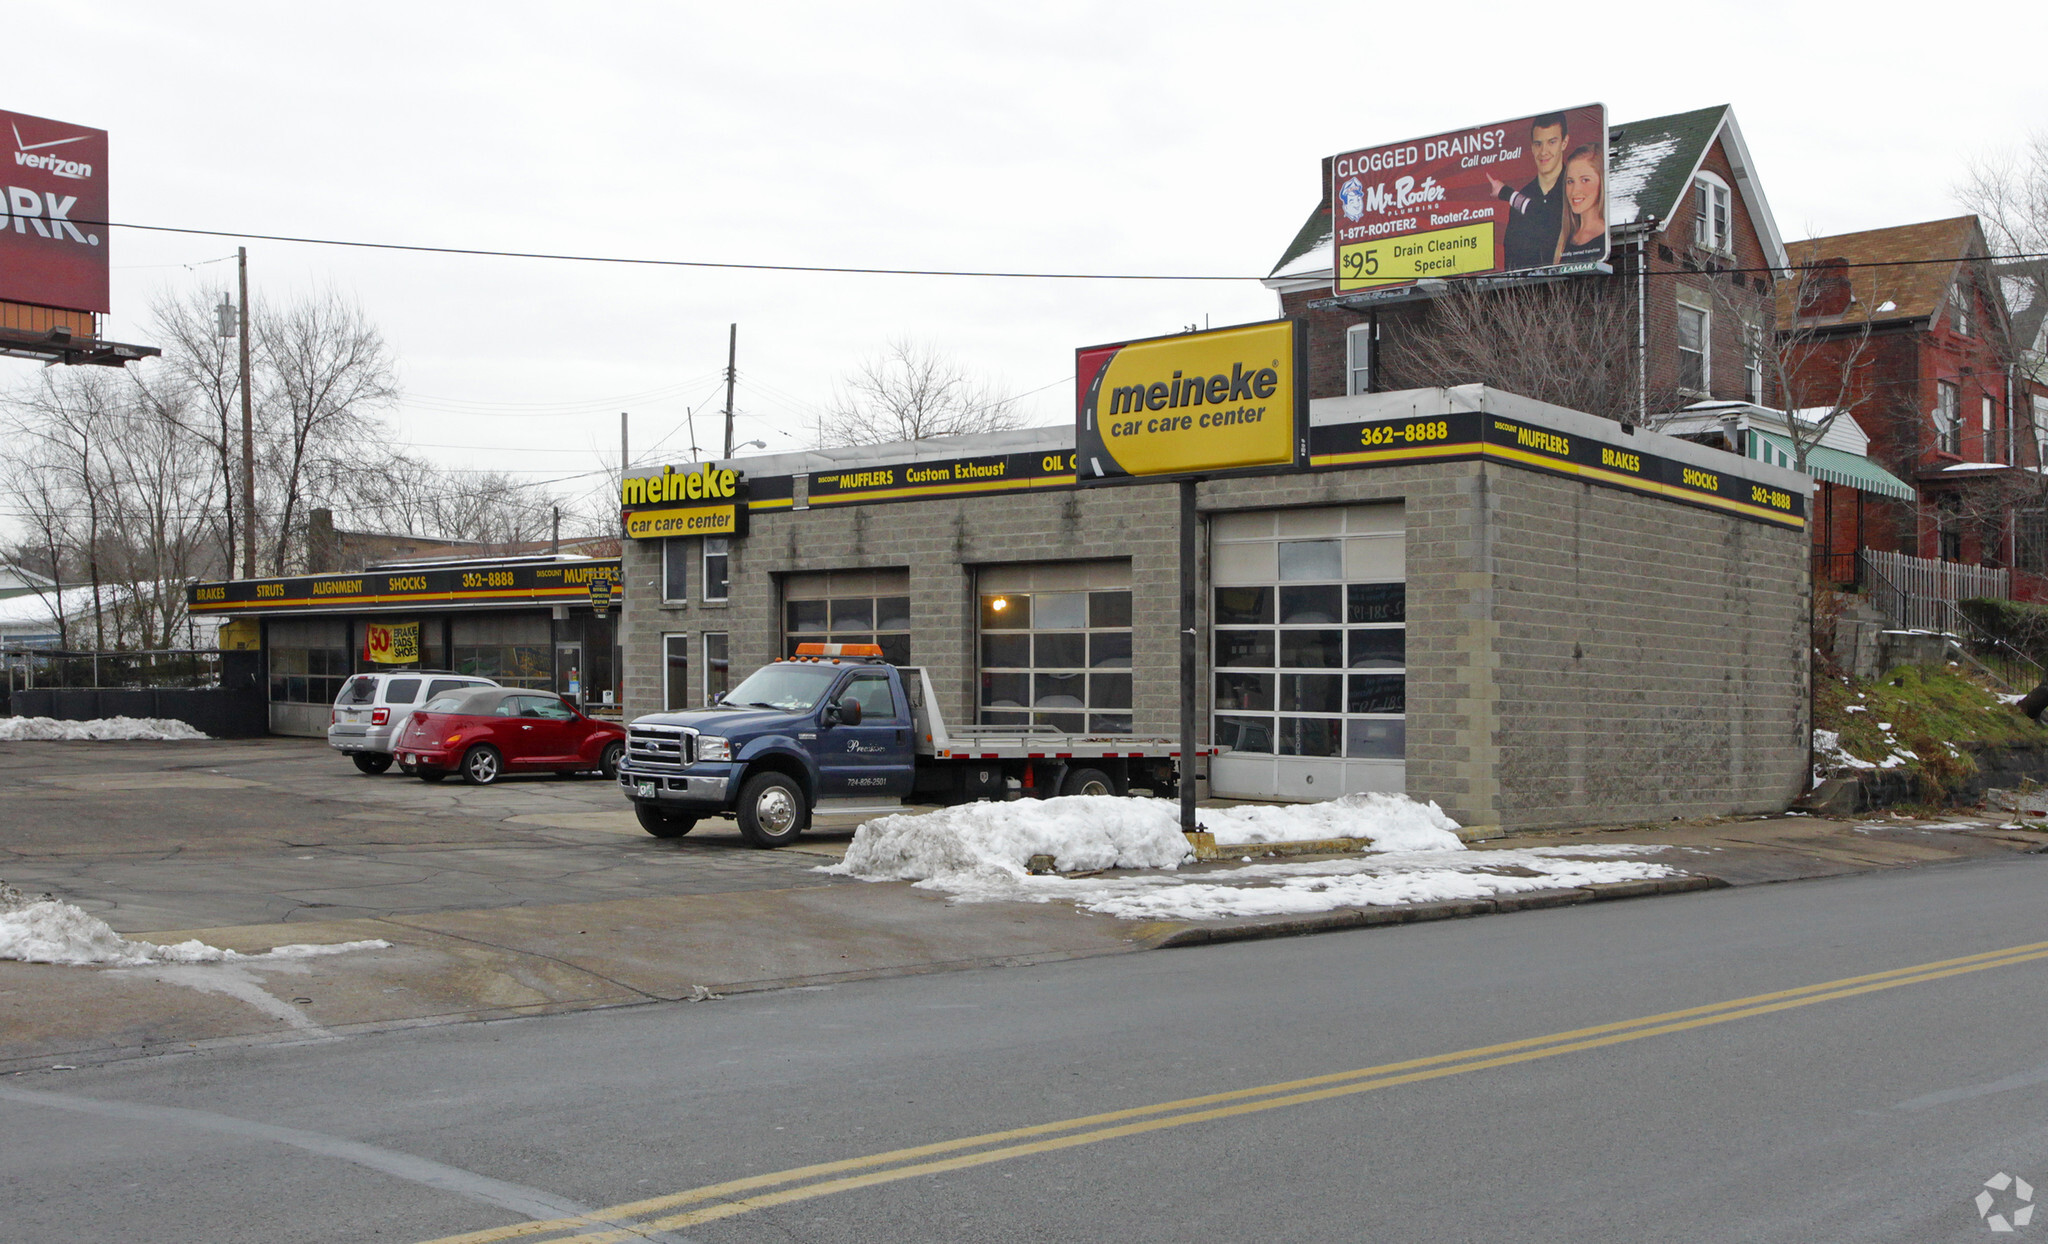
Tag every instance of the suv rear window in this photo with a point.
(362, 689)
(401, 690)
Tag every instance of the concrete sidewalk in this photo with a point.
(496, 962)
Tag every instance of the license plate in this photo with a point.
(646, 790)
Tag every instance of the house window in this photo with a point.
(1948, 418)
(1358, 359)
(675, 570)
(1753, 362)
(1693, 371)
(675, 678)
(1711, 214)
(717, 556)
(1992, 448)
(1959, 312)
(1948, 517)
(2041, 431)
(717, 666)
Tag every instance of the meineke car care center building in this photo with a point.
(1530, 615)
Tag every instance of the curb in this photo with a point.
(1375, 917)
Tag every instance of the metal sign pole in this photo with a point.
(1187, 656)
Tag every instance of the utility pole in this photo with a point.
(248, 430)
(624, 458)
(732, 355)
(555, 541)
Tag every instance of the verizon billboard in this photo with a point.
(53, 202)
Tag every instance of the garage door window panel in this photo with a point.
(1049, 642)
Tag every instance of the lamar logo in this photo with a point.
(50, 163)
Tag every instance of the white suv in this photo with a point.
(372, 709)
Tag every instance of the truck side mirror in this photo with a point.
(844, 713)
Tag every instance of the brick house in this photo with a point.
(1913, 316)
(1694, 246)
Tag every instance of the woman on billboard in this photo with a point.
(1583, 235)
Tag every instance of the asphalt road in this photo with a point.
(1872, 1110)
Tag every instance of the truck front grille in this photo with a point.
(660, 749)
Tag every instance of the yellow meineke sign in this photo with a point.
(1218, 400)
(704, 520)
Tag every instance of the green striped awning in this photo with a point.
(1833, 465)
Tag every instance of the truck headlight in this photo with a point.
(713, 747)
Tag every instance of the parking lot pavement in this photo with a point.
(153, 836)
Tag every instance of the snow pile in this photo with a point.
(45, 930)
(997, 840)
(1392, 822)
(981, 852)
(101, 729)
(1830, 754)
(1390, 880)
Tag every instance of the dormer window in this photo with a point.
(1959, 312)
(1712, 216)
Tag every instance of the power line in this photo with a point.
(667, 263)
(848, 270)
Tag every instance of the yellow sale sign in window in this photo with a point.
(395, 644)
(1227, 399)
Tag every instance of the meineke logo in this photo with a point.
(56, 164)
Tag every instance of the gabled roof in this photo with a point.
(1878, 294)
(1650, 163)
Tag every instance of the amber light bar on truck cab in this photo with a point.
(813, 652)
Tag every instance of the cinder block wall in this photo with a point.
(1576, 654)
(1651, 658)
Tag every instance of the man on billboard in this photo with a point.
(1536, 211)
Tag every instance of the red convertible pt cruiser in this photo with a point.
(484, 733)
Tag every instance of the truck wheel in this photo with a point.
(771, 810)
(1087, 782)
(608, 764)
(662, 823)
(481, 765)
(372, 763)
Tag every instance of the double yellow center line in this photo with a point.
(732, 1198)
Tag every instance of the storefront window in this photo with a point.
(514, 650)
(309, 660)
(675, 652)
(717, 557)
(675, 570)
(717, 666)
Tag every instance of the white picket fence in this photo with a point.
(1920, 593)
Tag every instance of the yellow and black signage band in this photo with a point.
(696, 520)
(1615, 463)
(538, 584)
(916, 481)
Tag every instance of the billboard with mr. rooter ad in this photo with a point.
(1515, 196)
(53, 212)
(1222, 400)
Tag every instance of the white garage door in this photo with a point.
(1309, 626)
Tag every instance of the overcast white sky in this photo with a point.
(1149, 138)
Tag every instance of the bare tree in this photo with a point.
(2008, 192)
(912, 392)
(198, 382)
(328, 372)
(1571, 344)
(1814, 361)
